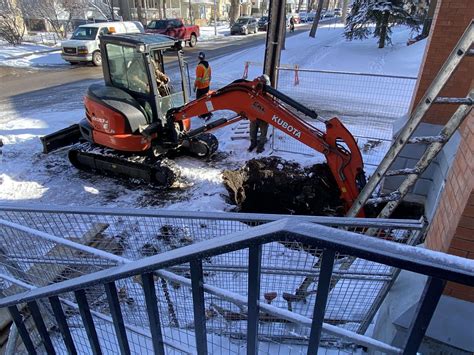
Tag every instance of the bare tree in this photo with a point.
(345, 6)
(12, 28)
(300, 2)
(317, 17)
(58, 13)
(140, 12)
(104, 7)
(234, 11)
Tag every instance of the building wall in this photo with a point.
(452, 225)
(452, 228)
(450, 20)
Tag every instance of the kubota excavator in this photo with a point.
(130, 126)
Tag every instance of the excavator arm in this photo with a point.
(254, 100)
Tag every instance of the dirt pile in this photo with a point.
(273, 185)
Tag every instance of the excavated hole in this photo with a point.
(274, 185)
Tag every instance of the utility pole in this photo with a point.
(312, 33)
(125, 10)
(276, 22)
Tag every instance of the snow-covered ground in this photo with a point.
(209, 32)
(28, 175)
(8, 51)
(29, 54)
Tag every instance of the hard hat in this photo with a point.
(201, 55)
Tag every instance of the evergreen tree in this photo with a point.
(383, 14)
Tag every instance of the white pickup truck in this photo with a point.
(84, 43)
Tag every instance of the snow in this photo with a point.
(8, 51)
(36, 60)
(29, 54)
(207, 33)
(29, 175)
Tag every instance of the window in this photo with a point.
(158, 25)
(103, 31)
(85, 33)
(127, 68)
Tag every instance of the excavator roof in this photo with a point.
(150, 41)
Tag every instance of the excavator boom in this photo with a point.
(254, 100)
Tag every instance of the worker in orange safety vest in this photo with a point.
(203, 80)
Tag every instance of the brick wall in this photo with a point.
(452, 227)
(450, 21)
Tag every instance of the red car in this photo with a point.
(175, 28)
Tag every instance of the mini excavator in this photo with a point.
(131, 128)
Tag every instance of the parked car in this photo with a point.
(263, 23)
(175, 28)
(84, 43)
(303, 16)
(244, 25)
(327, 15)
(310, 17)
(337, 12)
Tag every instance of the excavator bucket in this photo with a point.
(62, 138)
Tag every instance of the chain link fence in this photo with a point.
(35, 252)
(367, 104)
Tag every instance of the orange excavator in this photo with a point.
(131, 126)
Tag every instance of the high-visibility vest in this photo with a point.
(203, 76)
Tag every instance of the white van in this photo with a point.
(84, 43)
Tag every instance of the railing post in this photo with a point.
(116, 313)
(253, 309)
(88, 322)
(62, 325)
(197, 281)
(41, 327)
(18, 319)
(424, 312)
(153, 313)
(324, 284)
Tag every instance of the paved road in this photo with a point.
(17, 81)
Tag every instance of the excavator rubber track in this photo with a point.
(156, 171)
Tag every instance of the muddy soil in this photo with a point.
(273, 185)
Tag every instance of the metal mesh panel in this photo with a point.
(346, 93)
(367, 104)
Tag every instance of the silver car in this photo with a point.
(244, 25)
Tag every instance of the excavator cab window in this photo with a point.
(127, 69)
(169, 84)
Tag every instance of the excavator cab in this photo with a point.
(137, 93)
(131, 63)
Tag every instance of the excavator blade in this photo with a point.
(155, 171)
(62, 138)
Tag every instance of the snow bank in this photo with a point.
(8, 51)
(208, 32)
